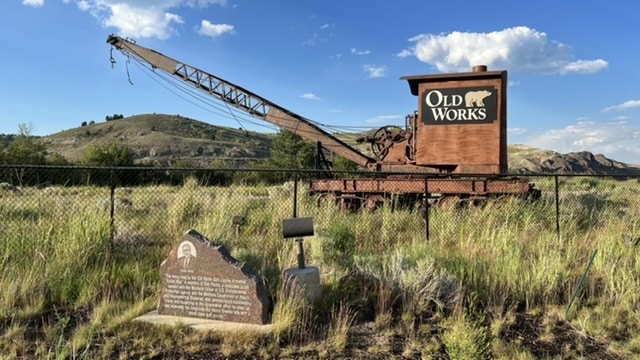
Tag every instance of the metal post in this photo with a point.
(112, 205)
(557, 207)
(318, 153)
(426, 207)
(295, 195)
(297, 228)
(300, 254)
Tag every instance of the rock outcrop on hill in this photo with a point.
(526, 160)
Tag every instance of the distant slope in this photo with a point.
(162, 139)
(523, 158)
(527, 160)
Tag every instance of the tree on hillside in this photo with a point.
(263, 175)
(107, 155)
(114, 117)
(23, 149)
(290, 151)
(57, 159)
(342, 164)
(5, 140)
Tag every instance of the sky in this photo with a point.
(573, 67)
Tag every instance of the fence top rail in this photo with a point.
(320, 173)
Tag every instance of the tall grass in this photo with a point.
(60, 256)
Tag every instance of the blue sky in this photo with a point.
(574, 70)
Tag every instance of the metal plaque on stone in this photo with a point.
(201, 279)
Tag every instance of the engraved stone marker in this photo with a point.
(201, 279)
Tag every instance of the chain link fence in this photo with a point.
(146, 206)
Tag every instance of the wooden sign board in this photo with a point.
(462, 121)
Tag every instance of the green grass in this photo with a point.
(492, 281)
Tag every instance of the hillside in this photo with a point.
(525, 160)
(163, 139)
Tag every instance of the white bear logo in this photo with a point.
(475, 98)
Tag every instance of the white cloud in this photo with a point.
(518, 49)
(34, 3)
(374, 71)
(84, 5)
(404, 53)
(322, 37)
(313, 40)
(309, 96)
(205, 3)
(624, 106)
(584, 67)
(141, 18)
(214, 30)
(384, 119)
(517, 131)
(617, 139)
(360, 52)
(142, 22)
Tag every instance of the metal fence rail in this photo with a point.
(156, 205)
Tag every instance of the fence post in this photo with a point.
(557, 208)
(427, 207)
(112, 186)
(295, 195)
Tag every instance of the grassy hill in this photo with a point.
(162, 139)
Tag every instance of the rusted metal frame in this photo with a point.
(249, 102)
(310, 131)
(417, 186)
(243, 100)
(223, 90)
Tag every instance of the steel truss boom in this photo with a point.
(243, 99)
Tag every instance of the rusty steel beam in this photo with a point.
(244, 100)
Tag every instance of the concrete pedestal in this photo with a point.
(308, 279)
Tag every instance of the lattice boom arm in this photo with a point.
(242, 99)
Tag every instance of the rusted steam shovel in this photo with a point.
(302, 278)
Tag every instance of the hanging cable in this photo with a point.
(194, 95)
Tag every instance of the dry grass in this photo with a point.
(485, 279)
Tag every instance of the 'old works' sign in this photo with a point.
(476, 105)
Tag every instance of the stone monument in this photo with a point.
(202, 280)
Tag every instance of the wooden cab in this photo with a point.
(462, 121)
